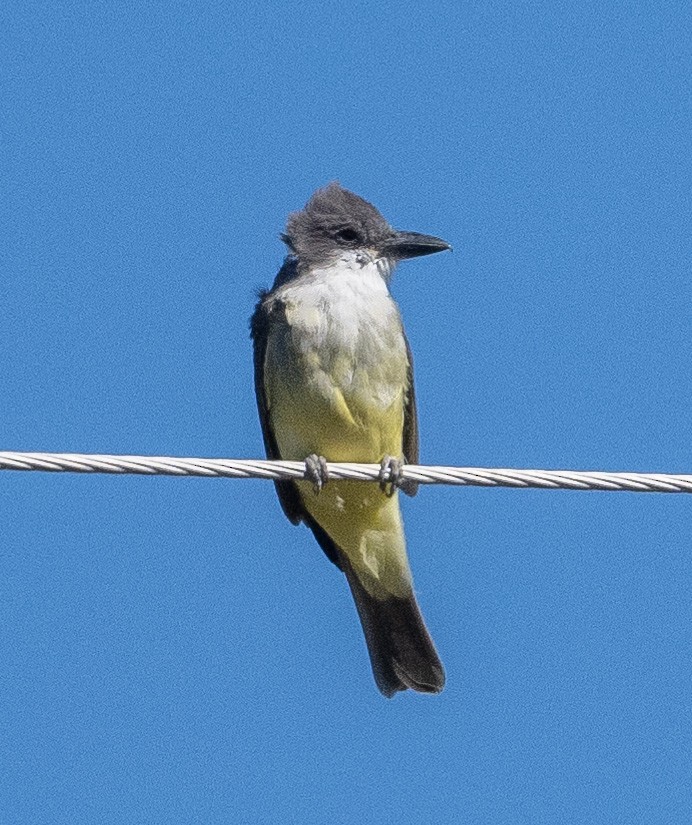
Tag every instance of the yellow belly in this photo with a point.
(366, 525)
(325, 401)
(336, 406)
(337, 427)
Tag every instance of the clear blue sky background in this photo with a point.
(174, 651)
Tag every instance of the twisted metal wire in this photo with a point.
(251, 468)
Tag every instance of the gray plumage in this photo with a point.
(333, 219)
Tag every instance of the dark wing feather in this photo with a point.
(410, 445)
(289, 497)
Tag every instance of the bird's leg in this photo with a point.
(316, 471)
(391, 475)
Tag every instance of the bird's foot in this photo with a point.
(316, 471)
(391, 474)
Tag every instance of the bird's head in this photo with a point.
(336, 220)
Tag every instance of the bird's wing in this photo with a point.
(410, 445)
(289, 497)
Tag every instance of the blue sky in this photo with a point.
(173, 650)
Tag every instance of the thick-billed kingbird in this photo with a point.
(334, 382)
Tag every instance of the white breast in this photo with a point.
(336, 370)
(344, 310)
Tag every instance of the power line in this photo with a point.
(251, 468)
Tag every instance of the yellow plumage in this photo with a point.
(345, 409)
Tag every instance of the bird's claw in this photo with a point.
(391, 474)
(316, 471)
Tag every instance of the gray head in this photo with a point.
(336, 220)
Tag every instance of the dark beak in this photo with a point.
(412, 244)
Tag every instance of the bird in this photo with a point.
(334, 382)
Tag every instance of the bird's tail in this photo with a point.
(401, 650)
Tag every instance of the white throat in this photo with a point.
(345, 303)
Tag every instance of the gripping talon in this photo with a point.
(316, 471)
(391, 474)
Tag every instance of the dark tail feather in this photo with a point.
(401, 651)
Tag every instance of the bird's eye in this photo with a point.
(347, 235)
